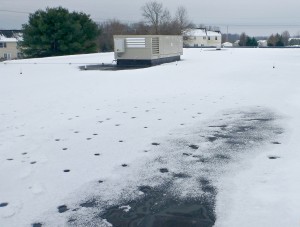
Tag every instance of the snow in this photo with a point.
(196, 32)
(55, 117)
(5, 39)
(227, 44)
(212, 33)
(202, 32)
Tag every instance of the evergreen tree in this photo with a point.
(251, 42)
(279, 40)
(56, 31)
(276, 40)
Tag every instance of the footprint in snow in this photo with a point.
(3, 204)
(62, 209)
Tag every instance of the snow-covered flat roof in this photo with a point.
(220, 127)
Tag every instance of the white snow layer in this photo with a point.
(55, 118)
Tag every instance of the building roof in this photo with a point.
(294, 39)
(227, 44)
(196, 32)
(201, 32)
(10, 35)
(212, 33)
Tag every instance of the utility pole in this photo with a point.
(227, 34)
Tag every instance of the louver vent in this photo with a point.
(155, 45)
(136, 42)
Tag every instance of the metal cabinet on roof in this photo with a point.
(147, 49)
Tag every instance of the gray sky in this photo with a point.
(255, 17)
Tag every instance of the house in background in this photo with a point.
(201, 37)
(236, 43)
(9, 44)
(262, 43)
(227, 44)
(294, 42)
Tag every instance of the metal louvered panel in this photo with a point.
(136, 42)
(155, 45)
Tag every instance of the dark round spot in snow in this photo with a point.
(273, 157)
(117, 124)
(145, 127)
(193, 146)
(212, 138)
(72, 219)
(88, 138)
(145, 188)
(57, 139)
(67, 170)
(32, 162)
(146, 151)
(100, 181)
(164, 170)
(97, 154)
(64, 149)
(121, 141)
(24, 153)
(9, 159)
(180, 175)
(124, 165)
(181, 124)
(76, 132)
(100, 121)
(37, 225)
(159, 119)
(155, 144)
(133, 117)
(3, 204)
(62, 208)
(275, 142)
(95, 134)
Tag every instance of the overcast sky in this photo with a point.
(255, 17)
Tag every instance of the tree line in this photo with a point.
(56, 31)
(274, 40)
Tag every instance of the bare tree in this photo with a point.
(182, 19)
(108, 29)
(140, 28)
(243, 39)
(155, 15)
(285, 37)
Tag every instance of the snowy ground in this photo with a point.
(218, 126)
